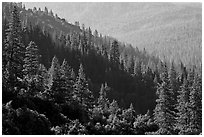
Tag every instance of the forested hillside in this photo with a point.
(169, 30)
(60, 78)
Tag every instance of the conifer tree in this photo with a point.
(132, 62)
(46, 11)
(114, 53)
(42, 78)
(190, 77)
(183, 73)
(67, 75)
(196, 106)
(183, 108)
(81, 48)
(104, 52)
(55, 67)
(31, 61)
(90, 39)
(14, 48)
(163, 115)
(82, 94)
(84, 40)
(59, 86)
(103, 101)
(96, 37)
(174, 87)
(138, 69)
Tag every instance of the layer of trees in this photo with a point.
(81, 84)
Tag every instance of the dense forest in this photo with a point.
(166, 29)
(61, 78)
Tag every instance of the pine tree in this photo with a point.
(82, 94)
(103, 101)
(66, 69)
(183, 108)
(174, 87)
(132, 65)
(14, 48)
(55, 67)
(46, 11)
(31, 60)
(114, 53)
(96, 37)
(81, 48)
(59, 88)
(163, 115)
(42, 78)
(190, 77)
(67, 75)
(90, 39)
(138, 69)
(183, 73)
(84, 40)
(196, 106)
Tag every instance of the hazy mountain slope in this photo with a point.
(56, 37)
(170, 29)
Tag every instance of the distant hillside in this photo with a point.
(172, 30)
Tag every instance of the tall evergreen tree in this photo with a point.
(55, 67)
(31, 60)
(67, 75)
(132, 65)
(59, 88)
(42, 78)
(90, 38)
(14, 49)
(138, 69)
(183, 108)
(103, 101)
(196, 106)
(174, 87)
(163, 115)
(81, 90)
(190, 77)
(114, 53)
